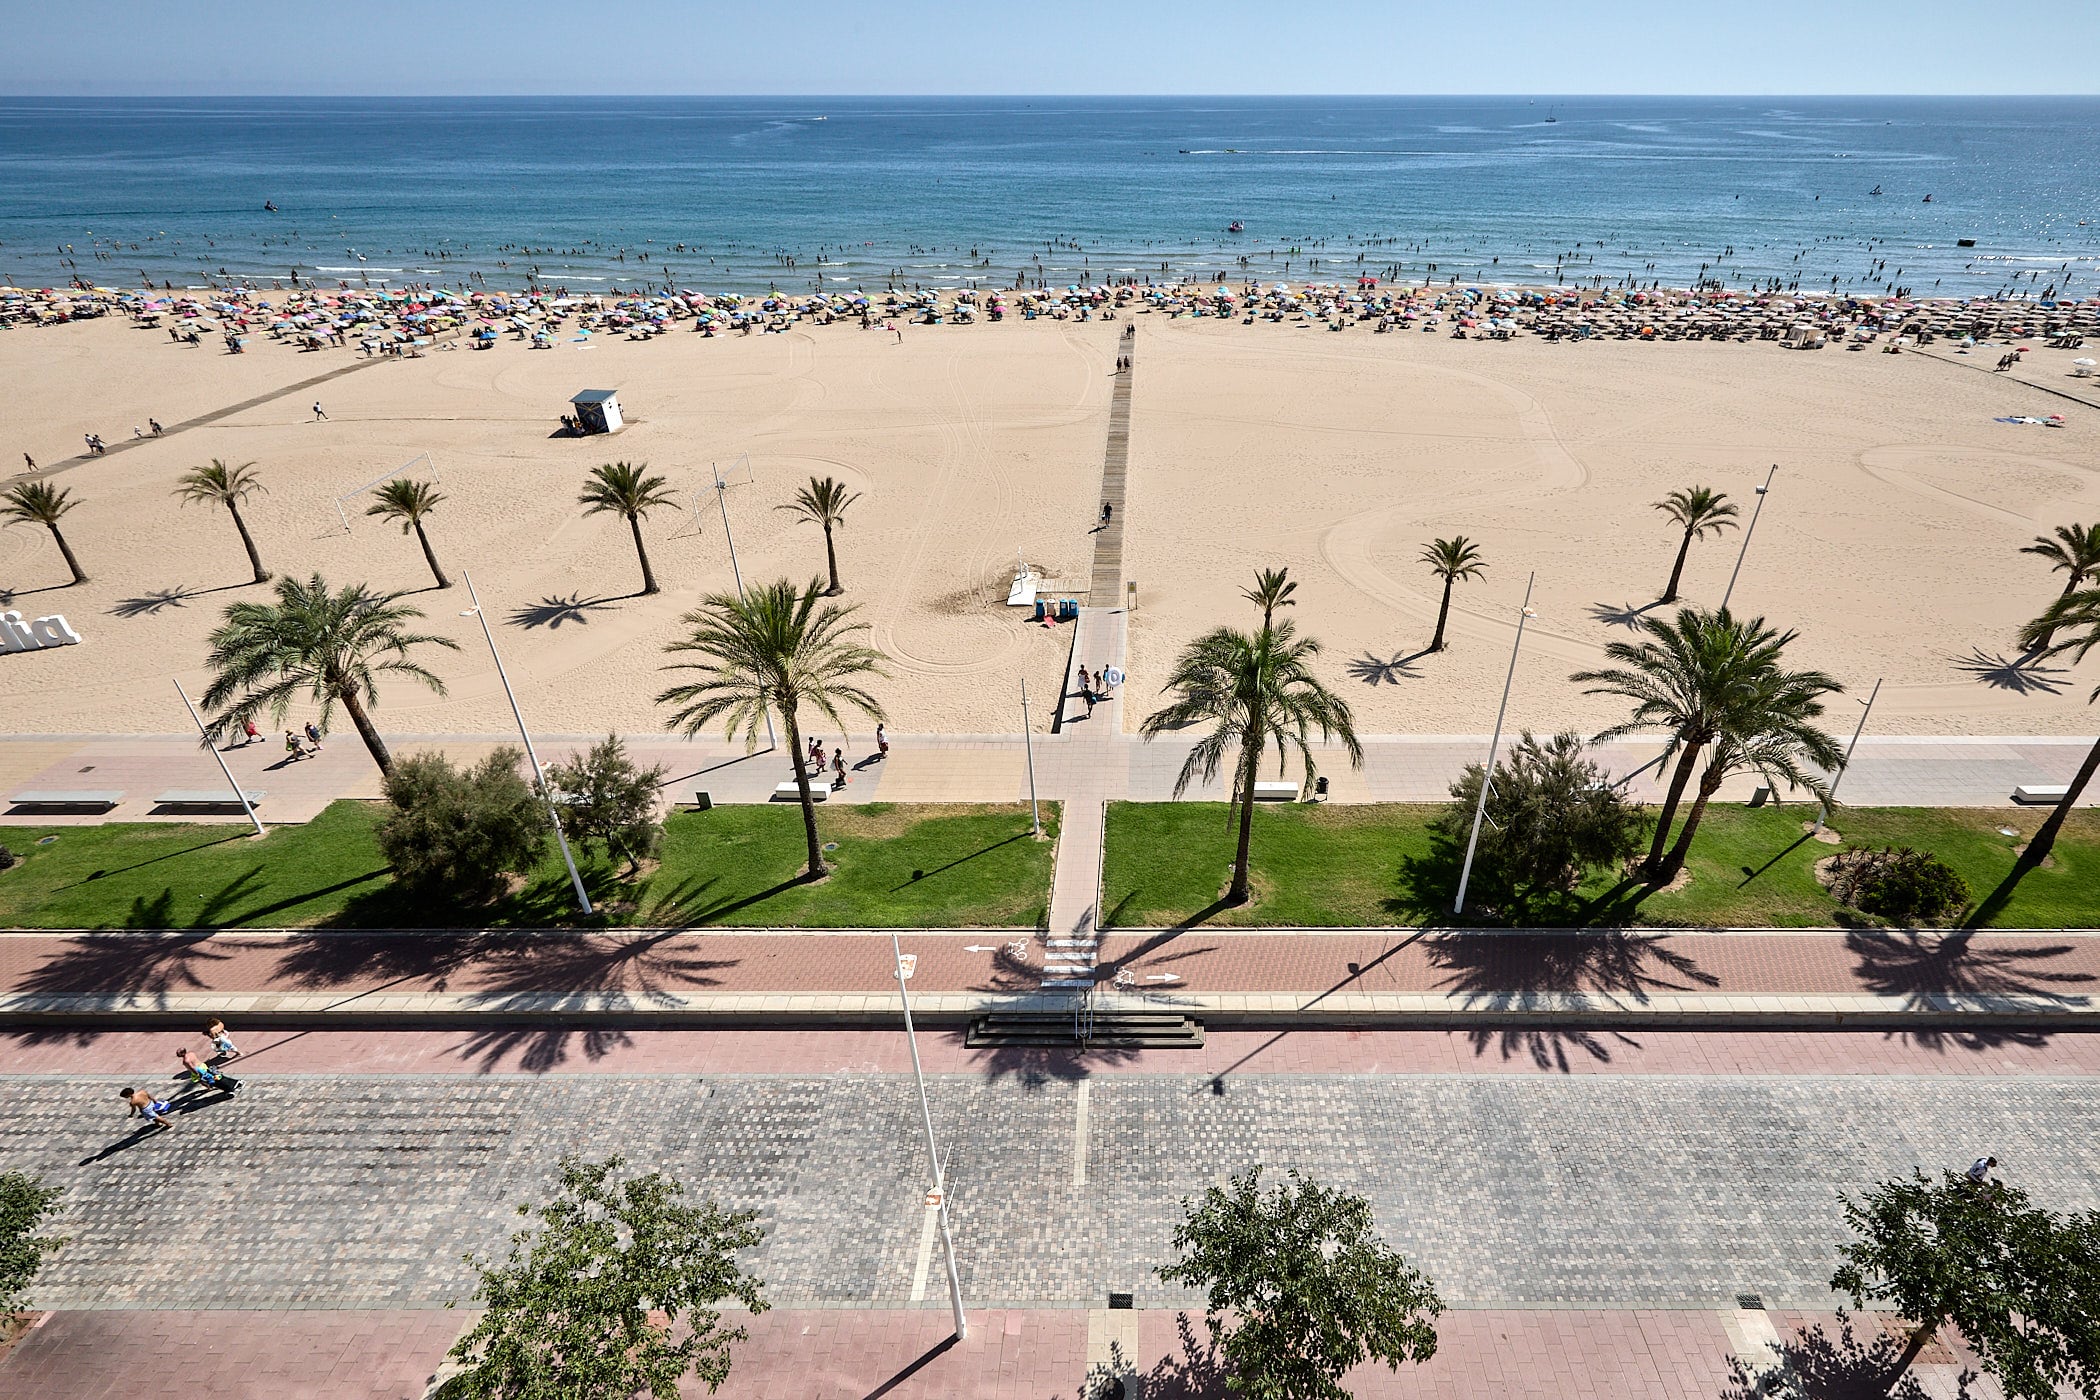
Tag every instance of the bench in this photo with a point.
(205, 797)
(2026, 794)
(100, 801)
(819, 791)
(1276, 792)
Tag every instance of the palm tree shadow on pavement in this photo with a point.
(1919, 967)
(2022, 675)
(123, 965)
(1816, 1365)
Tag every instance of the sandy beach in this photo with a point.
(1889, 541)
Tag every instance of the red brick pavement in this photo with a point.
(1477, 964)
(852, 1354)
(556, 1050)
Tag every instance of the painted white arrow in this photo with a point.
(1162, 977)
(978, 948)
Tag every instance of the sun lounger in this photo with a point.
(205, 797)
(2040, 793)
(100, 801)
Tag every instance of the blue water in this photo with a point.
(718, 193)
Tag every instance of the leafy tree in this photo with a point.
(1451, 560)
(777, 648)
(2080, 611)
(25, 1204)
(1692, 678)
(1250, 690)
(615, 1294)
(408, 502)
(1299, 1287)
(331, 646)
(2075, 550)
(1272, 590)
(823, 502)
(454, 834)
(41, 503)
(221, 485)
(1552, 816)
(1701, 511)
(608, 798)
(626, 490)
(2022, 1285)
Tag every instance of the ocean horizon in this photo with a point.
(745, 193)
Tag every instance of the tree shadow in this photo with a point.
(1375, 671)
(552, 611)
(155, 600)
(964, 860)
(1922, 967)
(1034, 1066)
(1815, 1365)
(123, 965)
(2022, 675)
(1196, 1373)
(9, 595)
(1623, 615)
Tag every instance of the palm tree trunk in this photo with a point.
(67, 551)
(1678, 778)
(648, 575)
(1709, 784)
(365, 729)
(1250, 768)
(248, 543)
(831, 558)
(430, 556)
(1443, 611)
(1916, 1344)
(809, 806)
(1677, 571)
(2038, 849)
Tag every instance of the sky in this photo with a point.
(1076, 47)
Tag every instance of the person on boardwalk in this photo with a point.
(203, 1075)
(144, 1105)
(838, 768)
(294, 750)
(221, 1042)
(882, 743)
(313, 736)
(320, 415)
(254, 734)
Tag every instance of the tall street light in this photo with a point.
(1747, 533)
(1028, 741)
(238, 792)
(1487, 773)
(938, 1197)
(538, 777)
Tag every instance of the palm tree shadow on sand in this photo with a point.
(553, 610)
(1374, 670)
(2022, 675)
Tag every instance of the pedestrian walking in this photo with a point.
(816, 756)
(1106, 511)
(320, 414)
(221, 1041)
(313, 736)
(1980, 1171)
(144, 1105)
(205, 1076)
(254, 734)
(1086, 691)
(882, 743)
(154, 424)
(294, 750)
(838, 768)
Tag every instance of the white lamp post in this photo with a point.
(1487, 773)
(246, 805)
(539, 777)
(1028, 741)
(1747, 533)
(939, 1195)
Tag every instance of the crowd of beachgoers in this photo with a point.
(413, 321)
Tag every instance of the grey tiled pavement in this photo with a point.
(325, 1191)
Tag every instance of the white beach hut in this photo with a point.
(598, 410)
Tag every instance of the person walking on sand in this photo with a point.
(144, 1105)
(221, 1042)
(154, 425)
(205, 1076)
(31, 461)
(320, 414)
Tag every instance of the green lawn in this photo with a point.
(1323, 865)
(977, 866)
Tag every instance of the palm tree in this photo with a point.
(41, 503)
(221, 485)
(621, 488)
(777, 648)
(408, 502)
(823, 502)
(2075, 550)
(1250, 690)
(1769, 729)
(1702, 511)
(1272, 590)
(330, 646)
(1690, 679)
(2079, 610)
(1451, 560)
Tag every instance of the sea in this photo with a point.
(1943, 196)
